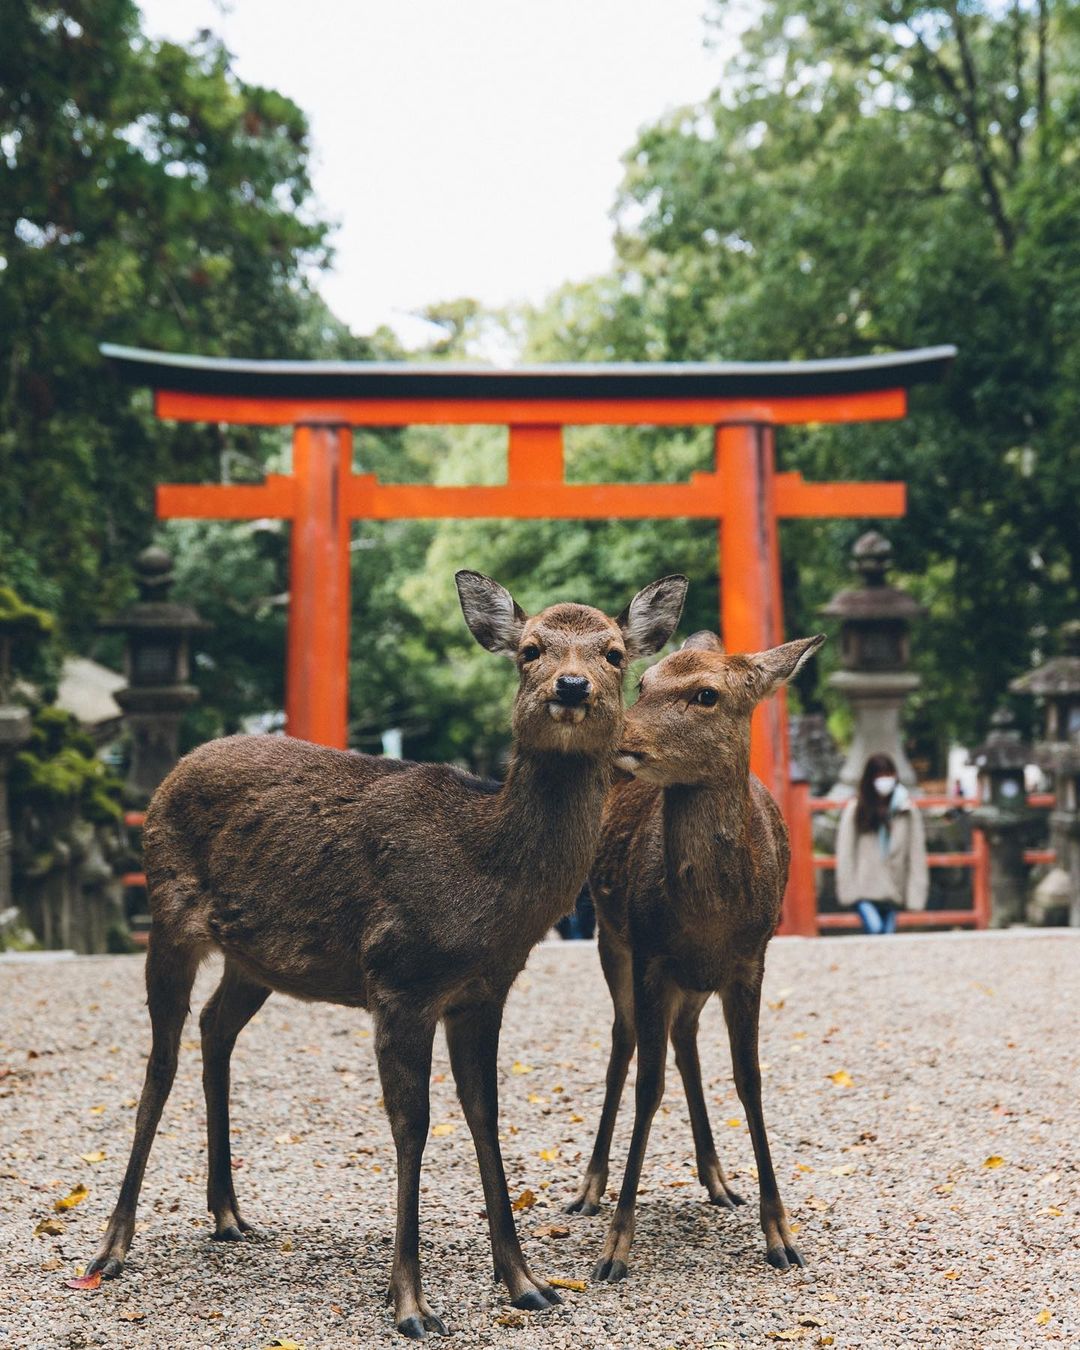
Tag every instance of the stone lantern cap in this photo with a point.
(1060, 676)
(1004, 747)
(875, 598)
(153, 612)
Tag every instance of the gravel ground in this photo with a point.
(960, 1049)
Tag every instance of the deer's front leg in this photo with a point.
(742, 1002)
(652, 1013)
(472, 1035)
(403, 1038)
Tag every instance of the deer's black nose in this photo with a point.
(572, 689)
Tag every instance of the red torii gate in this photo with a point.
(323, 402)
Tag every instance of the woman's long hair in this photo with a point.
(872, 810)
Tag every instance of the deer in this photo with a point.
(415, 891)
(688, 884)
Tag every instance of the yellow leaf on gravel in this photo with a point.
(441, 1131)
(734, 1122)
(536, 1099)
(1043, 1317)
(575, 1119)
(549, 1154)
(96, 1157)
(518, 1067)
(578, 1286)
(1052, 1212)
(994, 1160)
(74, 1197)
(952, 1275)
(97, 1110)
(511, 1319)
(50, 1228)
(525, 1200)
(841, 1078)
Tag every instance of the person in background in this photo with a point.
(881, 849)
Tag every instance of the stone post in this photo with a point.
(875, 620)
(1057, 683)
(157, 663)
(1003, 815)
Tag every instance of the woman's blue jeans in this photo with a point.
(876, 917)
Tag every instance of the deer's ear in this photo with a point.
(780, 664)
(652, 616)
(494, 617)
(703, 642)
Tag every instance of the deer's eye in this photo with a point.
(706, 697)
(530, 653)
(614, 657)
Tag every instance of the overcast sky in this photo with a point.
(464, 147)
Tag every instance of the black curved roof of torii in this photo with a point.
(404, 380)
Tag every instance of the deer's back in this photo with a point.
(314, 869)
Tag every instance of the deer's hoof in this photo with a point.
(413, 1327)
(536, 1300)
(110, 1267)
(582, 1206)
(230, 1233)
(783, 1258)
(609, 1270)
(726, 1199)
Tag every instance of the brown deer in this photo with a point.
(413, 890)
(688, 884)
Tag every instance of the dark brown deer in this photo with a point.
(688, 884)
(414, 890)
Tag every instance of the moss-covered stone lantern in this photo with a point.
(157, 663)
(1057, 683)
(875, 652)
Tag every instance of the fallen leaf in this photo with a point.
(734, 1122)
(511, 1319)
(286, 1246)
(1052, 1212)
(1043, 1317)
(74, 1197)
(952, 1275)
(441, 1131)
(795, 1334)
(525, 1200)
(810, 1322)
(946, 1188)
(49, 1228)
(95, 1157)
(549, 1154)
(536, 1099)
(841, 1078)
(803, 1167)
(97, 1110)
(552, 1230)
(575, 1119)
(54, 1264)
(518, 1067)
(825, 1340)
(85, 1281)
(994, 1160)
(775, 1006)
(132, 1315)
(578, 1286)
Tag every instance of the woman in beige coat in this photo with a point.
(881, 849)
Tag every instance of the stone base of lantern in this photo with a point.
(877, 700)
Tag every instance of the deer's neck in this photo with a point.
(705, 829)
(545, 828)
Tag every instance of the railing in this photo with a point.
(801, 915)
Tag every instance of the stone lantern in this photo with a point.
(157, 663)
(875, 652)
(1057, 683)
(1003, 815)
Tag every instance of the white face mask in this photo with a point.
(884, 786)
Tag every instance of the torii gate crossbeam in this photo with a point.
(743, 494)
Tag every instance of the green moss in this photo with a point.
(58, 768)
(20, 619)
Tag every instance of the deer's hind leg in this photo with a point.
(618, 971)
(229, 1009)
(684, 1033)
(170, 973)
